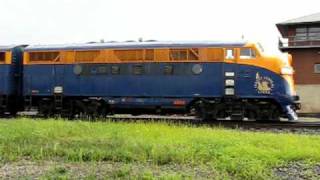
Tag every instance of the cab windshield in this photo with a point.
(247, 53)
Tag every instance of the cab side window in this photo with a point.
(247, 53)
(230, 54)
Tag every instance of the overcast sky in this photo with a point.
(77, 21)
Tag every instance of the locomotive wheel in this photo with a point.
(193, 111)
(79, 108)
(90, 109)
(69, 111)
(274, 114)
(219, 112)
(202, 110)
(93, 109)
(13, 111)
(46, 108)
(206, 117)
(270, 113)
(252, 115)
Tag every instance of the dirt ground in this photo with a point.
(118, 170)
(99, 170)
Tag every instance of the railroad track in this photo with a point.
(221, 123)
(193, 121)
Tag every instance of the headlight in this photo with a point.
(287, 71)
(229, 91)
(229, 82)
(229, 74)
(58, 89)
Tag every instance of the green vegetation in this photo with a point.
(222, 153)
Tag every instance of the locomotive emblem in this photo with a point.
(263, 84)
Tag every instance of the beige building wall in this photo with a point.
(309, 98)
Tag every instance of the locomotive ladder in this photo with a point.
(28, 102)
(236, 110)
(58, 101)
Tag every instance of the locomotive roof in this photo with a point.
(135, 45)
(6, 48)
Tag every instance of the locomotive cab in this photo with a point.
(251, 74)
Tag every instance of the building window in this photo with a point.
(2, 56)
(317, 68)
(310, 33)
(314, 33)
(44, 56)
(301, 34)
(247, 53)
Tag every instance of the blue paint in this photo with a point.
(154, 87)
(10, 74)
(129, 102)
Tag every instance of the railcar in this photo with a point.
(213, 80)
(10, 79)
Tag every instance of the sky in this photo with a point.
(81, 21)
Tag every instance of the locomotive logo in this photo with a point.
(263, 84)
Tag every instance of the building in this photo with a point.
(301, 38)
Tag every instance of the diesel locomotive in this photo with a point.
(213, 80)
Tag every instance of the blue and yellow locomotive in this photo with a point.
(210, 79)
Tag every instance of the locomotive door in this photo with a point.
(58, 74)
(229, 70)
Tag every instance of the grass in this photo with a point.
(228, 153)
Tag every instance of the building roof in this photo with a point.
(313, 18)
(310, 19)
(135, 45)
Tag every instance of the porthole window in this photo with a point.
(197, 69)
(317, 68)
(77, 70)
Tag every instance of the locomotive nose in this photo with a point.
(290, 59)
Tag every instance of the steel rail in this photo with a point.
(193, 121)
(221, 123)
